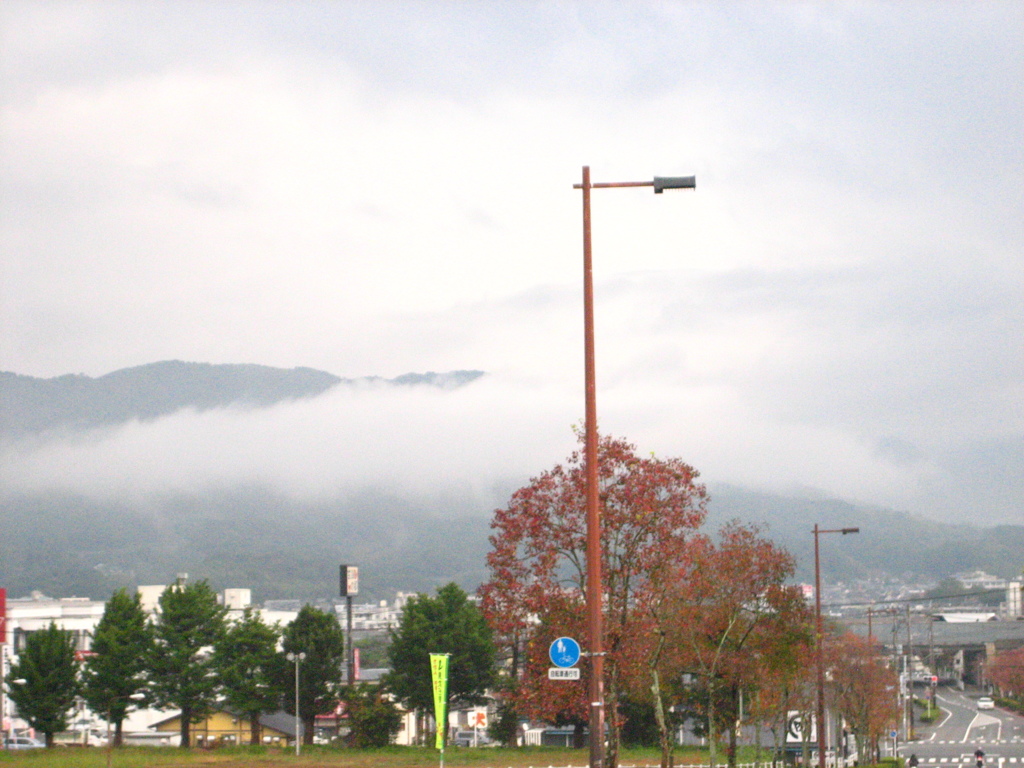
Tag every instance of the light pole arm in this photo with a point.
(595, 590)
(660, 183)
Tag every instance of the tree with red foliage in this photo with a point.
(537, 585)
(786, 684)
(735, 618)
(863, 688)
(1006, 670)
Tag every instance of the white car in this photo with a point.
(985, 702)
(22, 742)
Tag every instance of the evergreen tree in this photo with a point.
(448, 623)
(182, 672)
(48, 667)
(250, 671)
(122, 644)
(504, 728)
(319, 636)
(373, 719)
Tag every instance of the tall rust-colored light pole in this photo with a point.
(594, 587)
(819, 637)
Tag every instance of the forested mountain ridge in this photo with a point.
(30, 405)
(64, 544)
(889, 543)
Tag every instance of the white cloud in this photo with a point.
(410, 440)
(383, 187)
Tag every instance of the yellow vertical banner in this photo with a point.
(439, 676)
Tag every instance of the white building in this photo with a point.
(77, 615)
(976, 579)
(1014, 609)
(374, 617)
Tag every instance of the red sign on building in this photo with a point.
(3, 615)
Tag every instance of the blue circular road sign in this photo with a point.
(564, 652)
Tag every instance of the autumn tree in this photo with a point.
(320, 637)
(1006, 670)
(532, 695)
(862, 686)
(535, 592)
(733, 617)
(662, 657)
(116, 672)
(46, 670)
(786, 684)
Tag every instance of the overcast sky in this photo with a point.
(373, 188)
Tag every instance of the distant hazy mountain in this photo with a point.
(65, 544)
(73, 402)
(281, 547)
(889, 543)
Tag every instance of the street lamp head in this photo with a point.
(845, 531)
(661, 183)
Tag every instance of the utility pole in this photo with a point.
(819, 641)
(910, 679)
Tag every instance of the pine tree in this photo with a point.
(249, 667)
(123, 645)
(319, 636)
(48, 667)
(182, 672)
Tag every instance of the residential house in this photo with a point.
(226, 727)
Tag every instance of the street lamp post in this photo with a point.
(819, 638)
(594, 588)
(297, 658)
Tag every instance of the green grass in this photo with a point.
(326, 757)
(928, 714)
(330, 757)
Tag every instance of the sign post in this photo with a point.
(564, 654)
(479, 721)
(349, 587)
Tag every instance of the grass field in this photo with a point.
(392, 757)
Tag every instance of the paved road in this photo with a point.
(952, 741)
